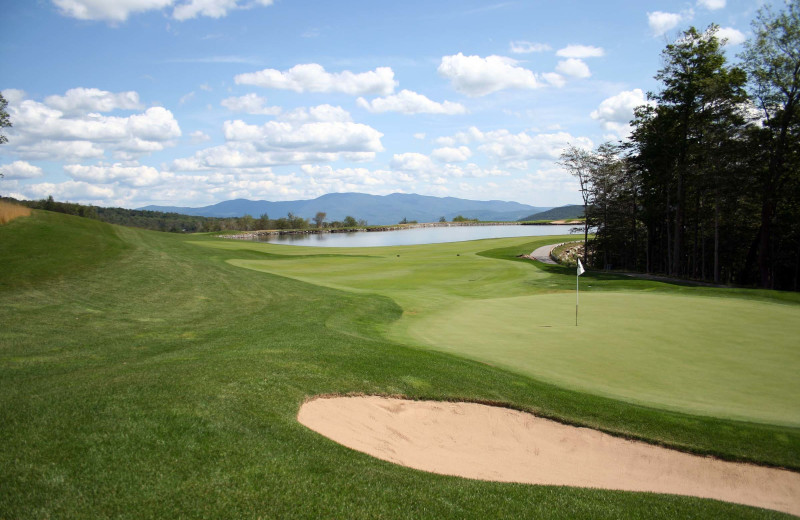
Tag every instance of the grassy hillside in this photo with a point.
(142, 375)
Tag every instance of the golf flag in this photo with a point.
(581, 270)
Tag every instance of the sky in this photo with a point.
(191, 102)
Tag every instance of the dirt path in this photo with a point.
(491, 443)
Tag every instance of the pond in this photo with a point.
(416, 236)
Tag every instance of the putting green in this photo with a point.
(710, 356)
(661, 345)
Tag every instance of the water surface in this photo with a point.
(417, 236)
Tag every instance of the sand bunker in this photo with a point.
(491, 443)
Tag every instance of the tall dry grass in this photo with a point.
(9, 212)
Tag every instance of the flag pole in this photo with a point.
(578, 272)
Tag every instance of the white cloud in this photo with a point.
(320, 136)
(119, 10)
(580, 51)
(711, 5)
(319, 113)
(85, 100)
(504, 146)
(412, 162)
(117, 173)
(523, 47)
(312, 77)
(661, 22)
(42, 132)
(315, 135)
(733, 36)
(49, 150)
(239, 155)
(476, 76)
(70, 191)
(573, 67)
(250, 104)
(210, 8)
(420, 135)
(451, 154)
(616, 112)
(198, 136)
(408, 102)
(557, 80)
(20, 170)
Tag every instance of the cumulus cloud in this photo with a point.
(70, 190)
(554, 79)
(711, 5)
(119, 10)
(731, 35)
(504, 146)
(20, 170)
(573, 67)
(198, 136)
(315, 135)
(581, 51)
(661, 22)
(616, 112)
(408, 102)
(85, 100)
(250, 104)
(450, 154)
(246, 155)
(43, 132)
(319, 136)
(312, 77)
(523, 47)
(117, 173)
(319, 113)
(477, 76)
(412, 162)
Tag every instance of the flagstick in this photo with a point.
(576, 297)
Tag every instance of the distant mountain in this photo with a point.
(375, 209)
(560, 213)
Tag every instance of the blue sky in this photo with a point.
(191, 102)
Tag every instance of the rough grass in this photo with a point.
(159, 381)
(9, 212)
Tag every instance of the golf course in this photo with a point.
(153, 375)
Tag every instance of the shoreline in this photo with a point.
(253, 235)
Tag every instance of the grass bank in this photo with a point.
(150, 378)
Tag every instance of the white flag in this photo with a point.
(581, 270)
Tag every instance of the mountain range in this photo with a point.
(375, 209)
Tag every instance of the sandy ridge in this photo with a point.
(491, 443)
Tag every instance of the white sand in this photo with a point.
(491, 443)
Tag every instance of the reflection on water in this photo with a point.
(416, 236)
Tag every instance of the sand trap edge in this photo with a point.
(491, 441)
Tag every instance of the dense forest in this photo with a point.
(178, 223)
(707, 186)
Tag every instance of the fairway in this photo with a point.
(701, 351)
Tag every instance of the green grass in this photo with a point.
(150, 378)
(656, 344)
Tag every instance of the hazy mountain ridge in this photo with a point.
(375, 209)
(562, 212)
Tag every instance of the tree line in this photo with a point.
(179, 223)
(707, 186)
